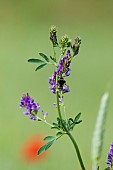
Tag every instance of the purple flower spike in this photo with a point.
(31, 107)
(110, 157)
(62, 71)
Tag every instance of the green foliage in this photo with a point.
(35, 60)
(44, 56)
(77, 117)
(45, 147)
(42, 149)
(55, 126)
(59, 134)
(40, 66)
(49, 138)
(59, 124)
(50, 143)
(41, 62)
(70, 123)
(53, 59)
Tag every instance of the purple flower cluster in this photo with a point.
(61, 71)
(64, 64)
(31, 107)
(110, 157)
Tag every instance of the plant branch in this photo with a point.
(68, 133)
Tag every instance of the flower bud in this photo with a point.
(65, 42)
(53, 36)
(75, 47)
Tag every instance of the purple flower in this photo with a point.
(64, 64)
(31, 107)
(45, 114)
(110, 157)
(62, 71)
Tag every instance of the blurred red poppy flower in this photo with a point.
(31, 147)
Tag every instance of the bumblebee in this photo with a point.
(61, 83)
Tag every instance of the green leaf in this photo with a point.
(40, 66)
(54, 59)
(71, 120)
(44, 56)
(77, 117)
(49, 144)
(78, 122)
(58, 119)
(71, 123)
(55, 124)
(35, 60)
(42, 149)
(49, 138)
(55, 127)
(59, 134)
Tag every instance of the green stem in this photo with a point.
(65, 112)
(54, 52)
(44, 121)
(77, 150)
(69, 134)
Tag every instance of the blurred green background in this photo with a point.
(24, 31)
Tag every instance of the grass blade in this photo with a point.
(97, 141)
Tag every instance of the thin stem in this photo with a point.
(77, 150)
(59, 136)
(60, 57)
(44, 121)
(69, 134)
(65, 111)
(54, 52)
